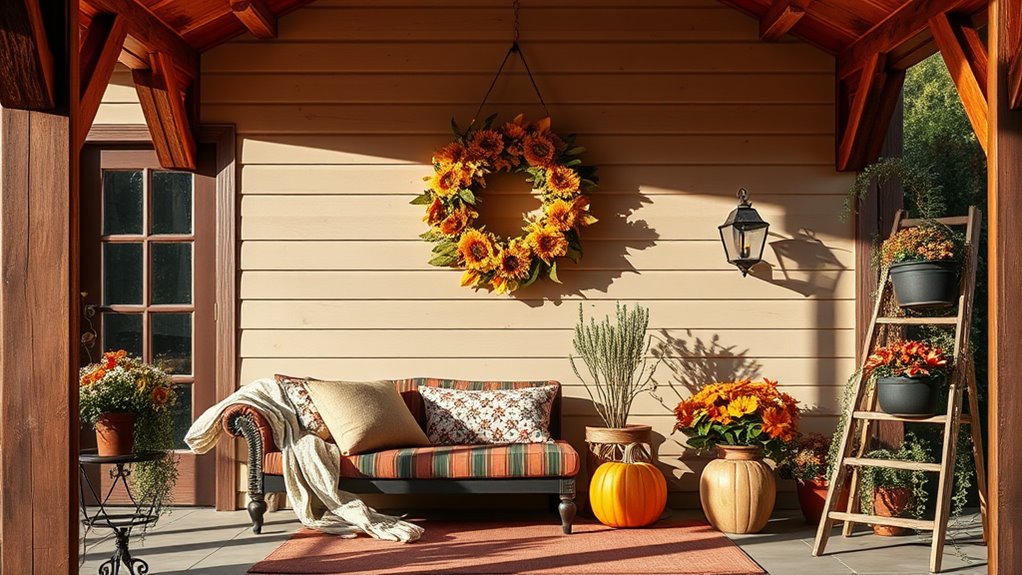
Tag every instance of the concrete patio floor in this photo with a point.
(202, 541)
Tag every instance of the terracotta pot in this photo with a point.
(738, 490)
(891, 502)
(609, 443)
(812, 497)
(115, 434)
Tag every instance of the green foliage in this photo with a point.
(873, 478)
(920, 181)
(615, 357)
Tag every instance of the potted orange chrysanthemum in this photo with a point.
(742, 421)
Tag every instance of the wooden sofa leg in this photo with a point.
(256, 510)
(567, 508)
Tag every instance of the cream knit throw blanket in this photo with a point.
(311, 467)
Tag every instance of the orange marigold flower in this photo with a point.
(449, 178)
(435, 213)
(539, 150)
(777, 423)
(685, 412)
(476, 248)
(453, 153)
(547, 242)
(562, 181)
(486, 145)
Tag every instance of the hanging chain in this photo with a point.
(514, 11)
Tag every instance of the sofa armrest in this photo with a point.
(247, 422)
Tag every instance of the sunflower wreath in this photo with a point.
(550, 163)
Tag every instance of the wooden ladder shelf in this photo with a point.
(862, 411)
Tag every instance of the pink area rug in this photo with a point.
(452, 548)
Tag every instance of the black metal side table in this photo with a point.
(137, 513)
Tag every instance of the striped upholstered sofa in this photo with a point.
(543, 468)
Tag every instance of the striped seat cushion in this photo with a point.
(556, 459)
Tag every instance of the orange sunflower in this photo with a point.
(453, 153)
(563, 181)
(514, 264)
(565, 215)
(547, 242)
(450, 178)
(486, 145)
(476, 248)
(539, 150)
(456, 221)
(435, 213)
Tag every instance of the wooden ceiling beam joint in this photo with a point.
(966, 60)
(854, 141)
(27, 79)
(782, 16)
(100, 51)
(162, 94)
(147, 35)
(256, 17)
(1015, 82)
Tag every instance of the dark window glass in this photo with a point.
(122, 274)
(172, 203)
(182, 411)
(122, 203)
(172, 341)
(171, 278)
(122, 331)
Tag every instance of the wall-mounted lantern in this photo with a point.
(744, 234)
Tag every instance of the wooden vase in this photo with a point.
(115, 434)
(891, 502)
(609, 443)
(737, 490)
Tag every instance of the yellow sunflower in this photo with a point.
(452, 153)
(539, 150)
(743, 405)
(449, 178)
(514, 263)
(563, 181)
(456, 221)
(476, 248)
(486, 144)
(565, 215)
(547, 242)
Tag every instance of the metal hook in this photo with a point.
(743, 197)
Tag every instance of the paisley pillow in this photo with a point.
(470, 417)
(297, 391)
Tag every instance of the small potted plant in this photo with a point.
(895, 492)
(742, 421)
(907, 375)
(615, 357)
(806, 463)
(923, 264)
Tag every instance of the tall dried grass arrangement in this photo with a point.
(616, 357)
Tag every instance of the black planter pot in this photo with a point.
(907, 396)
(925, 284)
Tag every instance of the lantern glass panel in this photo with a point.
(754, 239)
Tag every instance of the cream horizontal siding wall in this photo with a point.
(678, 103)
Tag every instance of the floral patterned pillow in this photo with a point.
(297, 391)
(465, 417)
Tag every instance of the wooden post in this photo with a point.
(1005, 291)
(39, 305)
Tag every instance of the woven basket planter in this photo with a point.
(608, 444)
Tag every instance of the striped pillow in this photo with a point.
(461, 417)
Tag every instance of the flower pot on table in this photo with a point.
(115, 434)
(891, 502)
(907, 396)
(925, 284)
(812, 497)
(737, 490)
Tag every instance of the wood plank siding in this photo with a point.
(678, 102)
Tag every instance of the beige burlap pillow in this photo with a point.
(365, 416)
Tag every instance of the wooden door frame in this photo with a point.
(225, 298)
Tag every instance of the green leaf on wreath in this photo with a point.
(422, 200)
(443, 260)
(467, 195)
(553, 273)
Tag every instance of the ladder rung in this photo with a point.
(950, 221)
(918, 320)
(921, 524)
(892, 464)
(881, 416)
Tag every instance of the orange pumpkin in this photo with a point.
(628, 493)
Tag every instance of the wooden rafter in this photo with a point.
(147, 35)
(781, 18)
(161, 92)
(895, 34)
(257, 18)
(872, 102)
(1015, 82)
(26, 60)
(99, 53)
(966, 58)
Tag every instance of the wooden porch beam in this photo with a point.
(1004, 173)
(966, 60)
(99, 53)
(781, 18)
(26, 61)
(908, 21)
(854, 141)
(147, 34)
(1015, 82)
(162, 93)
(257, 17)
